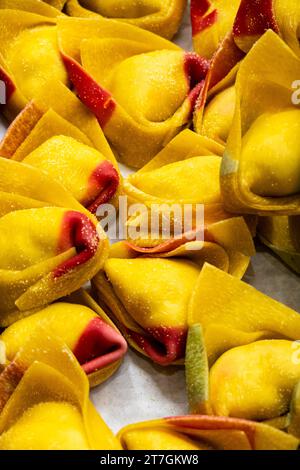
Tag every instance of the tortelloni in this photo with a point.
(261, 165)
(82, 325)
(185, 175)
(204, 433)
(41, 263)
(46, 253)
(141, 87)
(244, 366)
(162, 17)
(44, 401)
(255, 381)
(29, 54)
(271, 154)
(139, 287)
(142, 295)
(47, 141)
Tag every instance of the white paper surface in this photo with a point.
(141, 390)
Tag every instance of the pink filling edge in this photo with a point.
(218, 423)
(164, 345)
(201, 21)
(77, 231)
(170, 245)
(195, 69)
(99, 346)
(96, 98)
(254, 18)
(105, 178)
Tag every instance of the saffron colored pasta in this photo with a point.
(244, 366)
(282, 16)
(29, 56)
(162, 17)
(52, 144)
(186, 174)
(215, 107)
(83, 326)
(204, 433)
(247, 21)
(46, 253)
(44, 401)
(260, 172)
(139, 288)
(121, 72)
(212, 21)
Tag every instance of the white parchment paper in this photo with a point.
(140, 390)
